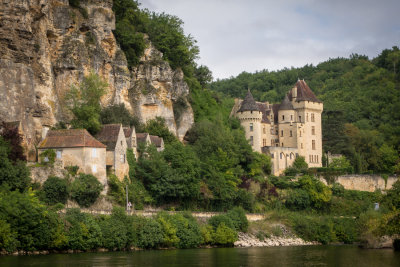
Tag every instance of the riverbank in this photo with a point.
(249, 240)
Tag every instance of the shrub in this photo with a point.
(114, 230)
(149, 234)
(116, 189)
(207, 233)
(188, 230)
(216, 220)
(8, 238)
(298, 199)
(48, 157)
(55, 190)
(320, 194)
(245, 199)
(82, 231)
(224, 235)
(313, 228)
(239, 219)
(85, 189)
(283, 182)
(337, 189)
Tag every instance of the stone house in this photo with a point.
(284, 130)
(113, 136)
(148, 139)
(76, 147)
(130, 135)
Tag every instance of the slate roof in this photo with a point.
(286, 104)
(304, 93)
(141, 137)
(108, 135)
(155, 140)
(248, 104)
(265, 112)
(69, 138)
(275, 109)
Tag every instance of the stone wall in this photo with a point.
(364, 182)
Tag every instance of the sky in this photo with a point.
(252, 35)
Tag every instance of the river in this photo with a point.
(229, 257)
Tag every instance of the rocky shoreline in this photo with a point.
(249, 240)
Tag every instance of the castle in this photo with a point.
(286, 130)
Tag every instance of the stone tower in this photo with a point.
(309, 129)
(250, 118)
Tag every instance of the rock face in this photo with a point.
(249, 240)
(47, 45)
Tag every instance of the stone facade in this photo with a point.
(77, 148)
(284, 130)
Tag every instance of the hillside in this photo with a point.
(361, 98)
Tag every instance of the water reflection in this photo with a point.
(224, 257)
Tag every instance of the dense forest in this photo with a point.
(361, 103)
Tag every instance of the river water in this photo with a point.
(225, 257)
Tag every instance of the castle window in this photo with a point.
(309, 159)
(299, 118)
(282, 144)
(300, 133)
(281, 156)
(317, 158)
(307, 117)
(272, 156)
(291, 134)
(313, 144)
(281, 132)
(291, 117)
(251, 127)
(272, 142)
(283, 117)
(276, 132)
(264, 130)
(251, 140)
(264, 142)
(301, 145)
(313, 130)
(312, 117)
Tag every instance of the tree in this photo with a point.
(203, 75)
(10, 134)
(84, 102)
(85, 189)
(118, 113)
(55, 190)
(341, 162)
(157, 127)
(13, 174)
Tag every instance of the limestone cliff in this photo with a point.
(47, 45)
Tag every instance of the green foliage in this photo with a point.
(82, 230)
(239, 219)
(149, 233)
(341, 162)
(30, 222)
(299, 166)
(85, 189)
(114, 231)
(10, 133)
(55, 190)
(116, 189)
(84, 102)
(298, 199)
(320, 194)
(203, 74)
(172, 175)
(13, 174)
(157, 127)
(216, 220)
(8, 238)
(118, 113)
(48, 157)
(392, 198)
(224, 235)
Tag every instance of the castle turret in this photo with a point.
(309, 131)
(250, 118)
(287, 126)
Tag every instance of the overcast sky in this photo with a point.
(250, 35)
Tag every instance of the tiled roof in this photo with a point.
(155, 140)
(275, 109)
(248, 104)
(141, 137)
(265, 112)
(127, 132)
(69, 138)
(304, 92)
(286, 104)
(108, 135)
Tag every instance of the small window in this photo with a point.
(310, 158)
(124, 158)
(313, 130)
(58, 154)
(46, 159)
(121, 158)
(307, 117)
(301, 145)
(317, 158)
(313, 144)
(272, 142)
(291, 117)
(282, 144)
(94, 152)
(300, 133)
(264, 130)
(272, 118)
(94, 168)
(283, 117)
(264, 142)
(251, 140)
(291, 134)
(281, 156)
(251, 127)
(281, 132)
(299, 118)
(121, 142)
(272, 156)
(312, 117)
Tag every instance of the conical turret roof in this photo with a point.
(286, 104)
(249, 104)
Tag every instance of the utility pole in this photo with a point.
(127, 201)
